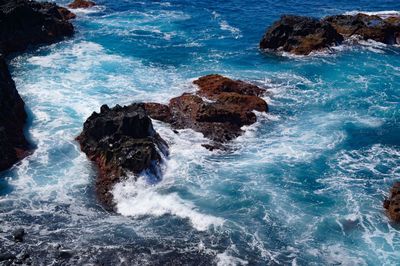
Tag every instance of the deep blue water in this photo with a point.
(303, 186)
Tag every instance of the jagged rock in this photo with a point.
(300, 35)
(392, 204)
(218, 109)
(121, 140)
(367, 27)
(13, 145)
(24, 23)
(81, 4)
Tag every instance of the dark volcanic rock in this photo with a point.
(13, 145)
(121, 140)
(81, 4)
(18, 235)
(24, 23)
(219, 109)
(7, 257)
(368, 27)
(392, 205)
(300, 35)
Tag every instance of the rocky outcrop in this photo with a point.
(302, 35)
(392, 204)
(367, 27)
(23, 23)
(121, 141)
(81, 4)
(218, 109)
(13, 145)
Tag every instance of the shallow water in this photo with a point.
(303, 186)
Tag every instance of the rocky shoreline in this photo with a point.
(122, 141)
(302, 35)
(23, 24)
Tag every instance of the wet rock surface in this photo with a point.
(303, 35)
(81, 4)
(121, 141)
(392, 204)
(13, 145)
(218, 109)
(367, 27)
(300, 35)
(23, 23)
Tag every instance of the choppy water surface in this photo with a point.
(303, 186)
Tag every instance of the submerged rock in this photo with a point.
(392, 204)
(18, 235)
(23, 23)
(218, 109)
(302, 35)
(121, 140)
(81, 4)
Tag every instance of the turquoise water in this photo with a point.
(304, 185)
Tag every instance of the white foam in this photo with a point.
(224, 25)
(224, 259)
(382, 14)
(235, 31)
(90, 10)
(136, 198)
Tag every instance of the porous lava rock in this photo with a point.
(24, 23)
(122, 142)
(219, 109)
(81, 4)
(367, 27)
(392, 204)
(302, 35)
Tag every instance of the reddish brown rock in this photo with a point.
(218, 109)
(65, 13)
(392, 204)
(81, 4)
(121, 141)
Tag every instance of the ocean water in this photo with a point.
(303, 186)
